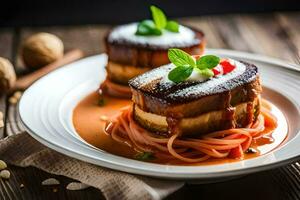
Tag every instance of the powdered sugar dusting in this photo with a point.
(153, 80)
(210, 85)
(156, 83)
(127, 33)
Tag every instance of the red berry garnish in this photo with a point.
(216, 71)
(227, 66)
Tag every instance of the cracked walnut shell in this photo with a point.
(7, 75)
(41, 49)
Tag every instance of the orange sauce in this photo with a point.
(88, 120)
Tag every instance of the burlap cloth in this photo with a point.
(22, 150)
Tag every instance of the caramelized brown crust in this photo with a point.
(158, 98)
(126, 53)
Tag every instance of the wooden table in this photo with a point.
(275, 34)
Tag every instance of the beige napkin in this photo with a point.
(22, 150)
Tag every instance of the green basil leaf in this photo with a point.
(206, 72)
(208, 61)
(144, 156)
(172, 26)
(147, 27)
(159, 17)
(180, 58)
(101, 102)
(180, 73)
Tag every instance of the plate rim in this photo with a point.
(234, 172)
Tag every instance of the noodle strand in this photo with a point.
(219, 144)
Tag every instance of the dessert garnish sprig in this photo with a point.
(154, 26)
(185, 64)
(145, 156)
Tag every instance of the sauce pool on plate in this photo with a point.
(89, 122)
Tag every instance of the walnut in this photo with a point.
(41, 49)
(7, 75)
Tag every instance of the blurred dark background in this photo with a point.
(15, 13)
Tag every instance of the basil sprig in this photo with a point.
(185, 64)
(147, 27)
(157, 24)
(145, 156)
(158, 17)
(172, 26)
(180, 58)
(180, 73)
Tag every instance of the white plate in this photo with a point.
(46, 112)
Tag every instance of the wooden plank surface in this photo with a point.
(276, 35)
(6, 44)
(89, 39)
(272, 35)
(291, 23)
(25, 183)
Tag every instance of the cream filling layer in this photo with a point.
(201, 121)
